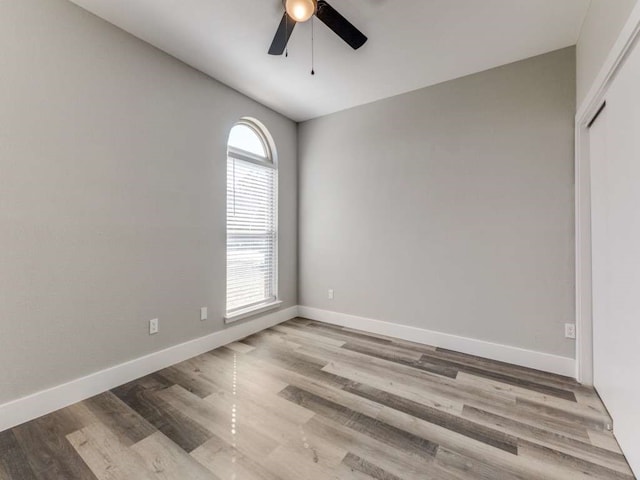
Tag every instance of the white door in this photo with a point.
(615, 210)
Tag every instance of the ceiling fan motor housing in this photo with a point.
(300, 10)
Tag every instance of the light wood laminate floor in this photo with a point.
(307, 400)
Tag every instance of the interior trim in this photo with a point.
(586, 112)
(251, 311)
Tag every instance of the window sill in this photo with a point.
(250, 312)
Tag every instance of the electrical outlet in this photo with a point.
(330, 294)
(153, 326)
(570, 330)
(203, 313)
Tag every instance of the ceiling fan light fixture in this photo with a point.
(300, 10)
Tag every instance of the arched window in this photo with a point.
(252, 225)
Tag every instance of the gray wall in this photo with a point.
(600, 30)
(449, 208)
(112, 196)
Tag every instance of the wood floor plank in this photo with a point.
(389, 349)
(393, 460)
(347, 337)
(309, 400)
(410, 378)
(270, 420)
(535, 386)
(547, 438)
(291, 465)
(472, 449)
(467, 468)
(372, 470)
(169, 420)
(420, 364)
(240, 347)
(13, 460)
(588, 398)
(337, 395)
(438, 392)
(219, 421)
(565, 415)
(572, 467)
(179, 375)
(47, 450)
(275, 375)
(125, 422)
(305, 335)
(355, 334)
(586, 413)
(229, 463)
(546, 378)
(326, 327)
(108, 458)
(269, 337)
(263, 395)
(4, 475)
(423, 390)
(222, 366)
(605, 440)
(295, 361)
(457, 424)
(370, 344)
(163, 457)
(300, 321)
(389, 434)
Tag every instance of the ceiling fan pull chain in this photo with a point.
(313, 71)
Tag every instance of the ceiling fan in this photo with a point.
(298, 11)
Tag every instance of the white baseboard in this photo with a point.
(33, 406)
(494, 351)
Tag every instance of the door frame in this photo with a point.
(587, 110)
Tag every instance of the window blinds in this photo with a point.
(251, 234)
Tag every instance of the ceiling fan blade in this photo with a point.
(282, 35)
(340, 25)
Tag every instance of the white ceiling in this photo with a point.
(412, 44)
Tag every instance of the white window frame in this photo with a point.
(269, 161)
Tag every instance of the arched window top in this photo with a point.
(248, 141)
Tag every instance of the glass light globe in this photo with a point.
(300, 10)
